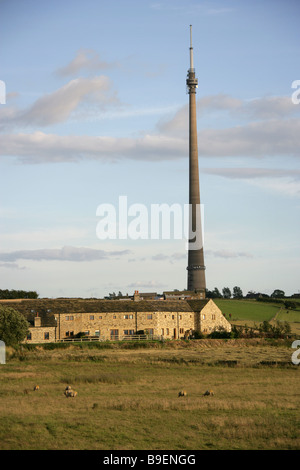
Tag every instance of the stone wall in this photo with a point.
(211, 318)
(108, 324)
(43, 334)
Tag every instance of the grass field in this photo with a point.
(247, 310)
(251, 312)
(128, 398)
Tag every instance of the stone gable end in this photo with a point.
(211, 318)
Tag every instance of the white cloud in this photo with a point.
(274, 137)
(228, 254)
(260, 138)
(267, 108)
(11, 266)
(58, 106)
(285, 182)
(147, 284)
(85, 59)
(250, 173)
(40, 147)
(67, 253)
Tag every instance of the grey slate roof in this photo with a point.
(48, 308)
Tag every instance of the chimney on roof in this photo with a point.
(37, 321)
(136, 295)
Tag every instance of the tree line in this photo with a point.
(237, 293)
(17, 294)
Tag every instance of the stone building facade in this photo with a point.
(62, 319)
(41, 334)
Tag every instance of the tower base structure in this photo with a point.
(196, 279)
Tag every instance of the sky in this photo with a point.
(96, 112)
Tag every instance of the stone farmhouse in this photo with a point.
(53, 320)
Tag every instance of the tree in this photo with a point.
(289, 304)
(216, 293)
(213, 294)
(237, 293)
(13, 326)
(17, 294)
(226, 292)
(278, 294)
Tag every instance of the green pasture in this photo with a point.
(248, 310)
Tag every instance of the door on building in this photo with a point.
(114, 335)
(175, 333)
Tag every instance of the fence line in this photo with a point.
(111, 338)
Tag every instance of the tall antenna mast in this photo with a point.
(191, 50)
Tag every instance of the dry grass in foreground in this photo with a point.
(128, 399)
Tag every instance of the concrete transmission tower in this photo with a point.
(196, 268)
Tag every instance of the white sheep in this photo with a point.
(70, 393)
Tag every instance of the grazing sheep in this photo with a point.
(182, 393)
(36, 387)
(70, 393)
(68, 387)
(208, 393)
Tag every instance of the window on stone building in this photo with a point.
(181, 330)
(162, 331)
(97, 332)
(180, 317)
(29, 336)
(92, 317)
(100, 317)
(87, 333)
(114, 317)
(128, 332)
(203, 316)
(173, 317)
(67, 318)
(167, 331)
(71, 318)
(213, 317)
(46, 335)
(151, 331)
(149, 316)
(128, 317)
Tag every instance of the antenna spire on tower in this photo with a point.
(191, 50)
